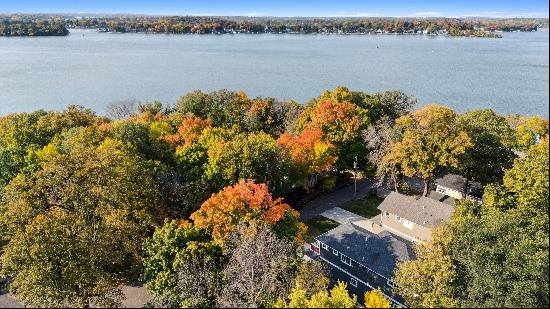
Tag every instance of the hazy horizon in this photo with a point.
(286, 8)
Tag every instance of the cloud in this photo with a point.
(428, 14)
(530, 14)
(252, 14)
(357, 14)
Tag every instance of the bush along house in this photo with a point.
(365, 253)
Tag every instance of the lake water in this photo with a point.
(92, 69)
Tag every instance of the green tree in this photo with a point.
(501, 248)
(173, 246)
(493, 254)
(429, 281)
(11, 162)
(493, 143)
(94, 205)
(431, 141)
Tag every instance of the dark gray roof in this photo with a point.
(423, 211)
(379, 252)
(461, 184)
(452, 181)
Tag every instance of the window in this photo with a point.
(408, 224)
(398, 218)
(387, 214)
(334, 252)
(391, 283)
(441, 190)
(345, 259)
(353, 282)
(324, 246)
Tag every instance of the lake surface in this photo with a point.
(92, 69)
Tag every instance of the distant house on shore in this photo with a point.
(459, 187)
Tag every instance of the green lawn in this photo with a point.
(317, 226)
(366, 207)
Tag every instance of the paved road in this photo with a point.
(8, 301)
(340, 215)
(136, 297)
(334, 199)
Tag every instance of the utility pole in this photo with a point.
(355, 176)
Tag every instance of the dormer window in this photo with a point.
(398, 218)
(387, 214)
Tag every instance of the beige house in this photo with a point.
(459, 187)
(409, 217)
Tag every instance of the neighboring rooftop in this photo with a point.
(434, 195)
(423, 210)
(461, 184)
(379, 252)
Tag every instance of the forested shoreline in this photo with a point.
(30, 25)
(199, 200)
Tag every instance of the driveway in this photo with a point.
(340, 215)
(335, 199)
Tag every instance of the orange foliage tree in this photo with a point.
(189, 131)
(342, 124)
(244, 202)
(309, 152)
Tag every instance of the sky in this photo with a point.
(326, 8)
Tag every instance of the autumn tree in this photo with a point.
(429, 281)
(375, 299)
(244, 202)
(308, 153)
(431, 141)
(93, 204)
(342, 124)
(528, 130)
(338, 297)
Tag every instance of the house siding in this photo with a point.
(449, 192)
(417, 233)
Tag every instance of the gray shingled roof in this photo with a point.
(423, 211)
(452, 181)
(379, 252)
(460, 184)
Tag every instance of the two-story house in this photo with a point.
(365, 253)
(411, 217)
(459, 187)
(363, 259)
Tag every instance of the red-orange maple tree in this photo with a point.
(243, 202)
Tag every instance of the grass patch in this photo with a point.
(317, 226)
(366, 207)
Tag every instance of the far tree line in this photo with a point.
(28, 25)
(199, 199)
